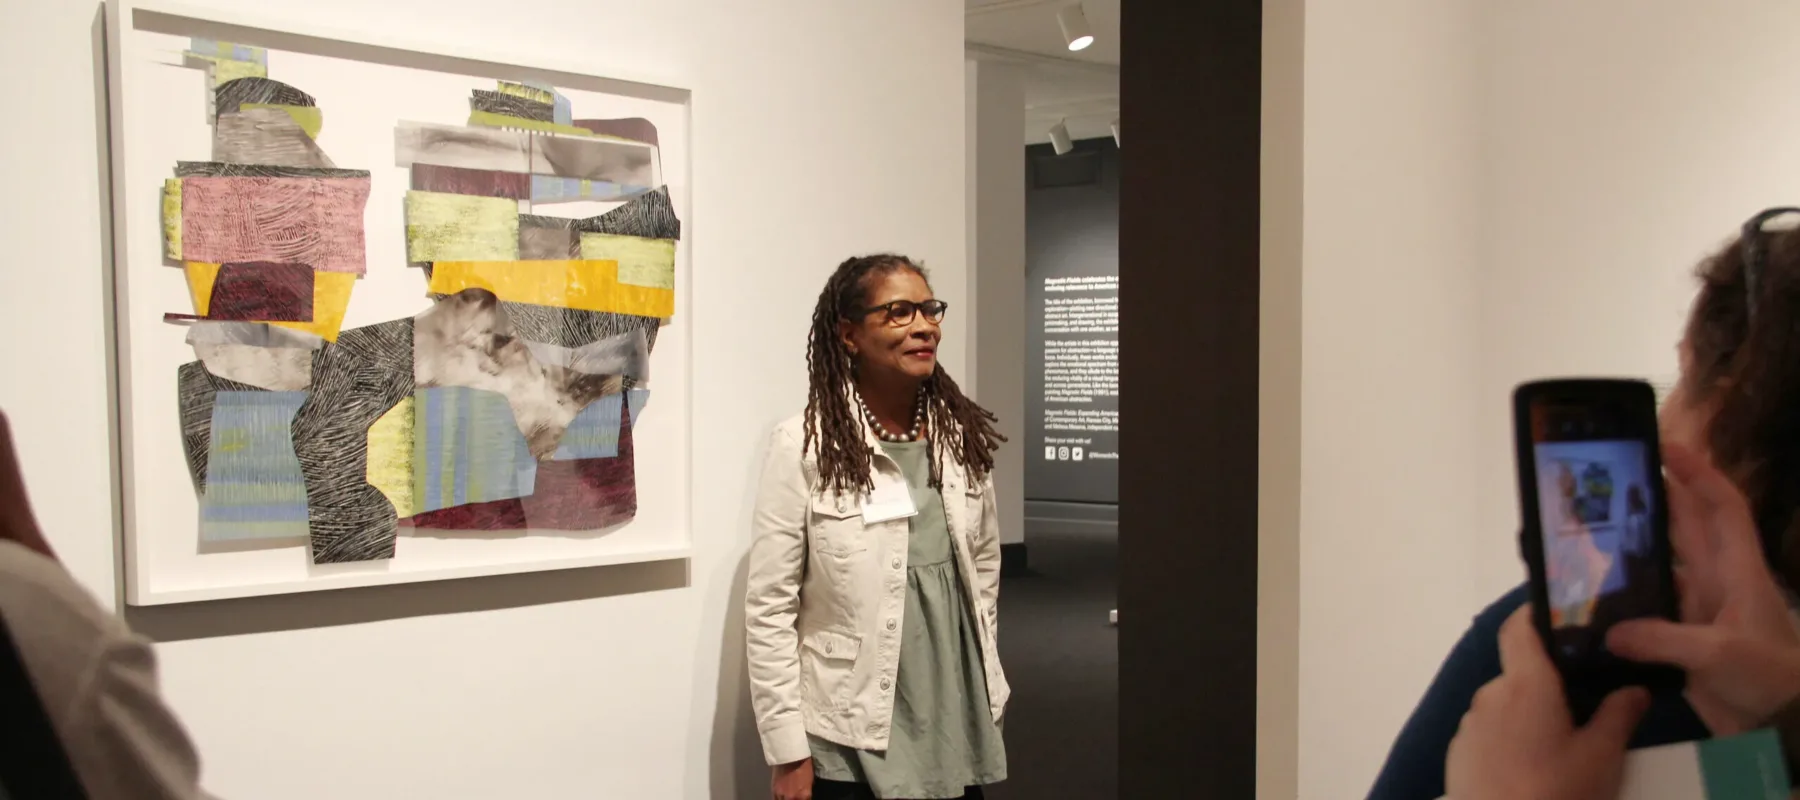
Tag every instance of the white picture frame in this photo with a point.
(154, 122)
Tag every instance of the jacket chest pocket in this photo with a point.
(963, 512)
(836, 525)
(827, 665)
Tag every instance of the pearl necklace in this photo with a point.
(882, 431)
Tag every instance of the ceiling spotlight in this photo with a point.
(1115, 127)
(1059, 139)
(1075, 27)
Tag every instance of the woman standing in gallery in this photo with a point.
(870, 611)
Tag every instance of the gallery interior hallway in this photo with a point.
(1062, 659)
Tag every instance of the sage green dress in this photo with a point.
(943, 738)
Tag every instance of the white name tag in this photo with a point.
(891, 500)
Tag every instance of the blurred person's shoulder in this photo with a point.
(97, 682)
(58, 628)
(52, 618)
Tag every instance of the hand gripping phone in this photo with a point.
(1595, 524)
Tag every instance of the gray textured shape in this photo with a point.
(458, 146)
(194, 395)
(628, 163)
(650, 215)
(467, 340)
(277, 369)
(232, 95)
(255, 334)
(625, 354)
(511, 106)
(220, 169)
(570, 327)
(548, 238)
(356, 379)
(266, 137)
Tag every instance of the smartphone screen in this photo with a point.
(1590, 465)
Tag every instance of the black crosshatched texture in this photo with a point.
(1188, 263)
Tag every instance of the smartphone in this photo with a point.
(1595, 531)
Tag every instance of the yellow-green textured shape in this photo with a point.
(642, 262)
(391, 456)
(456, 227)
(527, 92)
(171, 218)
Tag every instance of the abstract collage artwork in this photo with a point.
(540, 241)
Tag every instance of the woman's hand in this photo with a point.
(1518, 743)
(794, 781)
(1737, 640)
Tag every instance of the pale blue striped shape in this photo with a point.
(467, 448)
(553, 189)
(594, 433)
(636, 399)
(236, 52)
(254, 488)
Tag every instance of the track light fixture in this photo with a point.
(1059, 138)
(1075, 28)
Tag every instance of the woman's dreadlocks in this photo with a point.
(832, 422)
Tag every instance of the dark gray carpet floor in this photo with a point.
(1062, 659)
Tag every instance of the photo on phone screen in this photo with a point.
(1598, 493)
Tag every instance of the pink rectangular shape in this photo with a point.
(312, 221)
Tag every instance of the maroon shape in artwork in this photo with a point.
(477, 182)
(260, 291)
(578, 495)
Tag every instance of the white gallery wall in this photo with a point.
(1491, 192)
(1388, 375)
(1627, 140)
(617, 682)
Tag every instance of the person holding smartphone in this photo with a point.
(870, 614)
(1737, 643)
(1737, 405)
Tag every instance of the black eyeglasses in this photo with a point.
(901, 312)
(1756, 252)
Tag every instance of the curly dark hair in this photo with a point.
(1746, 360)
(833, 424)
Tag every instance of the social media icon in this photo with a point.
(1062, 454)
(1050, 452)
(1075, 454)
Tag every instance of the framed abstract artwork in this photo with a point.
(384, 315)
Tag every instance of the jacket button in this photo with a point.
(896, 563)
(892, 625)
(886, 684)
(827, 648)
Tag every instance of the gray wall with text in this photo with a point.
(1072, 338)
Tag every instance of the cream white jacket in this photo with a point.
(826, 593)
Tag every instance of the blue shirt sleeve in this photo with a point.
(1415, 764)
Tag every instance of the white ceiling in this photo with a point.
(1079, 87)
